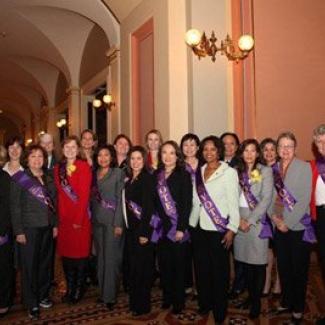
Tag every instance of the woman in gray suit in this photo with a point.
(294, 232)
(107, 222)
(251, 242)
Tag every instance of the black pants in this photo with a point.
(75, 270)
(255, 281)
(141, 262)
(211, 261)
(188, 265)
(293, 256)
(171, 257)
(320, 231)
(240, 280)
(6, 274)
(36, 257)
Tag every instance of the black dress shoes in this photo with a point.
(165, 305)
(4, 312)
(320, 321)
(110, 305)
(203, 311)
(177, 310)
(33, 313)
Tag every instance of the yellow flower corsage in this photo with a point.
(70, 169)
(255, 176)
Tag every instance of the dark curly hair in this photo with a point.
(143, 153)
(180, 158)
(35, 147)
(217, 143)
(110, 148)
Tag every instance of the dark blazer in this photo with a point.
(27, 211)
(52, 162)
(5, 222)
(140, 191)
(234, 162)
(110, 188)
(180, 186)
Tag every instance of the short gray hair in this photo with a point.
(320, 130)
(46, 137)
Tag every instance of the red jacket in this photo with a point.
(314, 181)
(74, 230)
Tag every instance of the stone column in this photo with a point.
(74, 115)
(52, 119)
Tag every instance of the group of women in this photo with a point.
(198, 200)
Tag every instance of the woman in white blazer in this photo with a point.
(214, 220)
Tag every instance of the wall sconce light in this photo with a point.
(29, 141)
(61, 123)
(203, 46)
(107, 102)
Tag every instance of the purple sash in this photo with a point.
(289, 201)
(192, 172)
(107, 204)
(286, 197)
(266, 231)
(68, 190)
(211, 209)
(320, 163)
(4, 239)
(155, 221)
(169, 207)
(36, 189)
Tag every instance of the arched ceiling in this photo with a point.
(43, 41)
(122, 8)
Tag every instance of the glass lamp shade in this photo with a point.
(246, 42)
(107, 99)
(58, 124)
(97, 103)
(193, 37)
(63, 121)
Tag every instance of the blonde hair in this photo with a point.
(156, 132)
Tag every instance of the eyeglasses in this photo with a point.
(287, 147)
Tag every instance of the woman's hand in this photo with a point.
(21, 239)
(282, 227)
(277, 219)
(228, 239)
(244, 225)
(118, 231)
(55, 232)
(143, 240)
(179, 235)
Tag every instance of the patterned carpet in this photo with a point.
(90, 312)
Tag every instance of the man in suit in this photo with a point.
(47, 142)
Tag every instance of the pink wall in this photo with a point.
(289, 68)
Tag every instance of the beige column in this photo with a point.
(113, 87)
(74, 110)
(52, 119)
(179, 115)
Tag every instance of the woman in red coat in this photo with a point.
(73, 181)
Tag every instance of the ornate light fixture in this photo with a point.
(107, 101)
(61, 123)
(203, 46)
